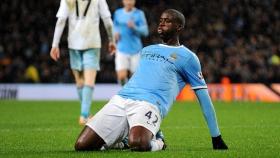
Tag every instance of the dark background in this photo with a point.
(239, 40)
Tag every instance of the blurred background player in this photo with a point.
(143, 102)
(84, 44)
(129, 26)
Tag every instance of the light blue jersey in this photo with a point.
(130, 39)
(162, 73)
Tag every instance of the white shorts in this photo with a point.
(126, 62)
(113, 122)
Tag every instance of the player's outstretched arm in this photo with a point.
(210, 117)
(59, 27)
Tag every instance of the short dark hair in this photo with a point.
(178, 16)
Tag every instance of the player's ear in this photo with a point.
(180, 27)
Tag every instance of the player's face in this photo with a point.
(129, 4)
(167, 26)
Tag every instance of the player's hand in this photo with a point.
(131, 24)
(218, 143)
(112, 48)
(55, 53)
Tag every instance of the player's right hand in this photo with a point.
(218, 143)
(112, 48)
(131, 24)
(55, 53)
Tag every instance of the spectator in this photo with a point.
(235, 39)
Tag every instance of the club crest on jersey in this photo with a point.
(200, 76)
(173, 56)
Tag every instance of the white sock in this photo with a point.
(104, 147)
(156, 144)
(118, 145)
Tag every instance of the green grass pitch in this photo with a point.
(50, 128)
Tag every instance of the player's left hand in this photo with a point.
(112, 48)
(218, 143)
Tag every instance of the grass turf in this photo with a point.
(50, 128)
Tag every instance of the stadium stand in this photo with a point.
(239, 40)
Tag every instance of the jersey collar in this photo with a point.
(164, 45)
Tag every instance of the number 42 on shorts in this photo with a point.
(151, 120)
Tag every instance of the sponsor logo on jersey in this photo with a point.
(173, 56)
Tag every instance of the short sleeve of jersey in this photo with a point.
(192, 73)
(63, 10)
(103, 8)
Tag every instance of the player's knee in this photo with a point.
(122, 74)
(80, 83)
(80, 145)
(139, 144)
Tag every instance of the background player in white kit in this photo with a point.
(129, 26)
(84, 43)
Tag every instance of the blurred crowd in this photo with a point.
(237, 40)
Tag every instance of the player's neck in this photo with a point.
(171, 41)
(128, 9)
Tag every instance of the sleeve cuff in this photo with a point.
(199, 87)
